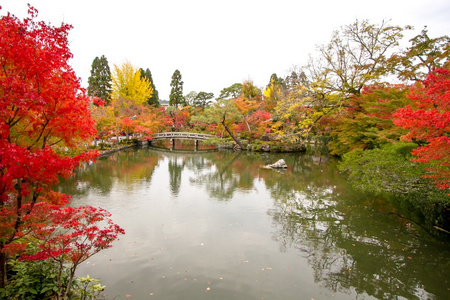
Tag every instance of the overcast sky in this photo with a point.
(215, 43)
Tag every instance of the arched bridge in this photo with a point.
(181, 136)
(172, 136)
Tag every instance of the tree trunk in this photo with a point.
(3, 259)
(231, 134)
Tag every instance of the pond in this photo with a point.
(215, 225)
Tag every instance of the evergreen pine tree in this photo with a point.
(154, 99)
(100, 79)
(176, 93)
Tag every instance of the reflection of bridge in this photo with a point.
(172, 136)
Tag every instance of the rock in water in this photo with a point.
(278, 165)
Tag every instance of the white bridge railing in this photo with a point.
(181, 135)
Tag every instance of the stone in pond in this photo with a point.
(280, 164)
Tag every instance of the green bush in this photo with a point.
(390, 171)
(34, 280)
(88, 288)
(31, 280)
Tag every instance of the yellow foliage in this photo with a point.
(128, 84)
(293, 114)
(272, 94)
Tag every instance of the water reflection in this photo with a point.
(355, 244)
(220, 181)
(123, 167)
(175, 168)
(361, 242)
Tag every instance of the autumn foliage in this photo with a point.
(428, 121)
(44, 116)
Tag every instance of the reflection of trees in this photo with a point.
(122, 167)
(375, 251)
(176, 167)
(351, 241)
(220, 181)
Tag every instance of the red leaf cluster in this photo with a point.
(43, 114)
(74, 234)
(429, 120)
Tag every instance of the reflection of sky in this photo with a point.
(277, 241)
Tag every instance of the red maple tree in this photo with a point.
(70, 238)
(429, 122)
(44, 116)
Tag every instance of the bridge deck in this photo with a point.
(181, 135)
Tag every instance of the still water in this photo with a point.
(215, 225)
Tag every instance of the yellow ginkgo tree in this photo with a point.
(127, 84)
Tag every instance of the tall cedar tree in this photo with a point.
(154, 99)
(43, 110)
(100, 80)
(176, 93)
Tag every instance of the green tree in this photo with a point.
(100, 79)
(274, 79)
(154, 98)
(250, 91)
(296, 79)
(356, 56)
(221, 116)
(423, 56)
(231, 92)
(190, 97)
(176, 93)
(203, 99)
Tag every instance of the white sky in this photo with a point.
(215, 43)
